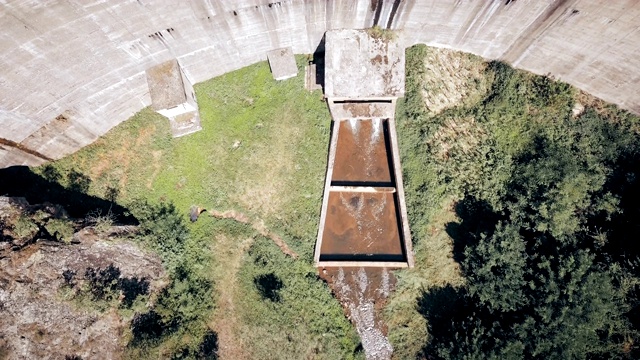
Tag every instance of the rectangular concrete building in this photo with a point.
(359, 66)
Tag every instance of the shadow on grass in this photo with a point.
(21, 181)
(269, 286)
(444, 308)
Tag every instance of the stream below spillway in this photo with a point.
(363, 293)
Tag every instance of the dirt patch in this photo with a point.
(452, 79)
(262, 186)
(119, 158)
(258, 225)
(363, 292)
(227, 323)
(156, 167)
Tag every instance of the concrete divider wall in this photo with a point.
(83, 61)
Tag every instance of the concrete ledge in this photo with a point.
(185, 124)
(387, 264)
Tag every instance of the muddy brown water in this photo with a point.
(361, 153)
(361, 225)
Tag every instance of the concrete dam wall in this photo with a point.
(70, 70)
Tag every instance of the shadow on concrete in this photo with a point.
(318, 60)
(21, 181)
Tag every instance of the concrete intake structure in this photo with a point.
(173, 97)
(73, 69)
(363, 221)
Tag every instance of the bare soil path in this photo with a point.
(225, 322)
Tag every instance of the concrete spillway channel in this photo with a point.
(363, 231)
(363, 220)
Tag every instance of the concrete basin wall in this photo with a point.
(70, 70)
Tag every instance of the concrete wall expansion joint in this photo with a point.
(86, 61)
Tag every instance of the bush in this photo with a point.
(102, 282)
(269, 286)
(539, 201)
(25, 228)
(61, 229)
(162, 228)
(147, 326)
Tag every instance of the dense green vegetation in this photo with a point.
(545, 204)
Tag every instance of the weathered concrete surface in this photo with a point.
(282, 63)
(361, 66)
(172, 96)
(85, 60)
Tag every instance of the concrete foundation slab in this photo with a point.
(166, 86)
(362, 109)
(310, 79)
(282, 63)
(185, 124)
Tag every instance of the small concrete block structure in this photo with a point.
(310, 80)
(359, 66)
(172, 95)
(282, 63)
(364, 74)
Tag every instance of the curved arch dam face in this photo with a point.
(73, 69)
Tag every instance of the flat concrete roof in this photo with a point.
(166, 86)
(282, 63)
(359, 66)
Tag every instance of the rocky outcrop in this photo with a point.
(40, 288)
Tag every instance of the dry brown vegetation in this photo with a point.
(451, 79)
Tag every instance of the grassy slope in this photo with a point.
(263, 153)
